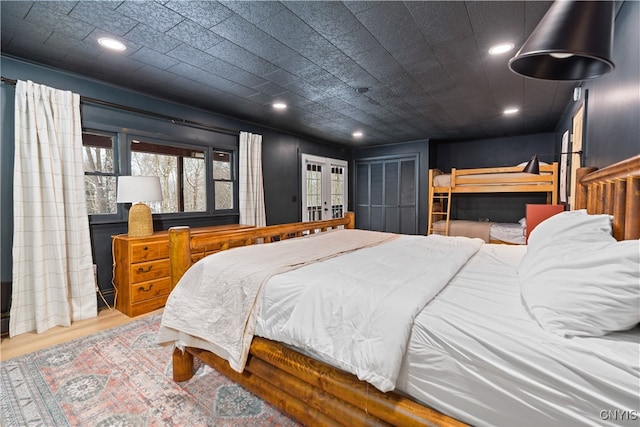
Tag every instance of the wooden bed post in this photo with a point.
(179, 252)
(352, 220)
(182, 365)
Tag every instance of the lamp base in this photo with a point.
(140, 221)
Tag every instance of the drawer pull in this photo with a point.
(146, 248)
(142, 270)
(142, 289)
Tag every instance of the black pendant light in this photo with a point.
(573, 41)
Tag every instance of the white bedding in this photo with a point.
(345, 310)
(475, 355)
(473, 352)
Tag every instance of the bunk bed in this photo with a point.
(510, 179)
(317, 393)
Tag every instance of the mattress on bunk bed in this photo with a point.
(444, 180)
(488, 231)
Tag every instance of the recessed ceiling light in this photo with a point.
(511, 110)
(501, 48)
(357, 134)
(279, 105)
(112, 44)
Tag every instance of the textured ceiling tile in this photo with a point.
(190, 55)
(270, 89)
(287, 28)
(233, 73)
(327, 18)
(27, 47)
(51, 19)
(356, 41)
(254, 11)
(101, 15)
(62, 42)
(16, 9)
(199, 75)
(242, 58)
(205, 13)
(29, 30)
(151, 13)
(242, 33)
(195, 35)
(153, 58)
(242, 91)
(63, 7)
(282, 77)
(441, 22)
(152, 39)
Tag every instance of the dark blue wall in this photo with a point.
(612, 113)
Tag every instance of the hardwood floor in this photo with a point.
(26, 343)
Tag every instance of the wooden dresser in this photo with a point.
(141, 269)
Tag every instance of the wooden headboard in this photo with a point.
(613, 190)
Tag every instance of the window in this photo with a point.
(99, 172)
(195, 179)
(223, 180)
(182, 173)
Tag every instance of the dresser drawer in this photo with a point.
(144, 271)
(151, 289)
(149, 251)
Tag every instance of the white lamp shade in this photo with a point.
(132, 189)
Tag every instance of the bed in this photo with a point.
(509, 179)
(467, 368)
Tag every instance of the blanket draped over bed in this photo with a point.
(216, 304)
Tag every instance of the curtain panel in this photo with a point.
(251, 192)
(53, 280)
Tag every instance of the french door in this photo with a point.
(324, 188)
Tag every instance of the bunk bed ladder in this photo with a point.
(441, 200)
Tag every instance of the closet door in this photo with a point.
(386, 195)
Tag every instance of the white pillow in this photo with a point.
(572, 225)
(583, 282)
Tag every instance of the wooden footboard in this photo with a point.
(312, 392)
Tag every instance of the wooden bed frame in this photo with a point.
(315, 393)
(467, 181)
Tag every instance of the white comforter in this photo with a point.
(215, 304)
(392, 283)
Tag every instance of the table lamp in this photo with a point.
(138, 189)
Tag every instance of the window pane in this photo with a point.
(97, 153)
(221, 165)
(195, 191)
(181, 172)
(100, 181)
(101, 194)
(224, 195)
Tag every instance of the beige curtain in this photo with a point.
(251, 193)
(53, 280)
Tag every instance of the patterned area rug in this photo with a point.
(121, 377)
